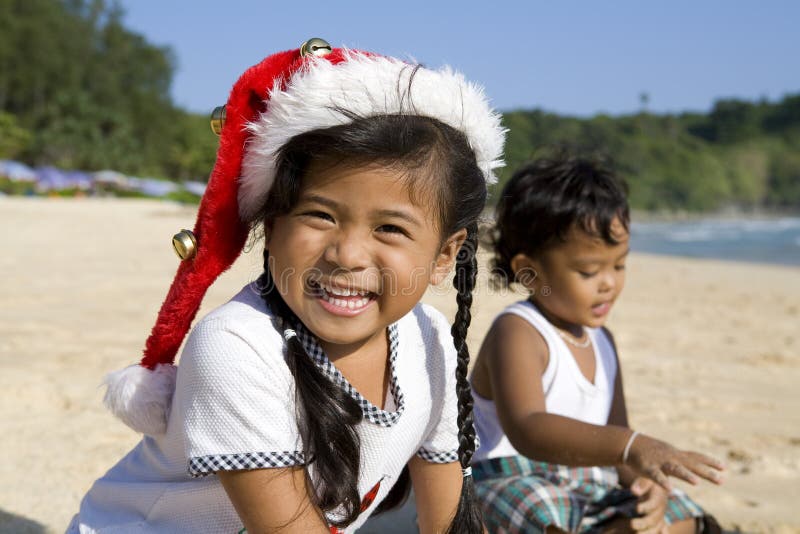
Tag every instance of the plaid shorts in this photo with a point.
(521, 496)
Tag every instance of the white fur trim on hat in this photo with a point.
(364, 86)
(141, 397)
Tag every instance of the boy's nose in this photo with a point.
(348, 251)
(607, 283)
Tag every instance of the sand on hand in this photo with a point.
(710, 352)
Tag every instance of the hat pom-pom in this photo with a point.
(141, 397)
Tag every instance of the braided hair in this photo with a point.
(436, 159)
(467, 518)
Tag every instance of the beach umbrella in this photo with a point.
(195, 188)
(78, 180)
(51, 179)
(155, 188)
(110, 177)
(16, 171)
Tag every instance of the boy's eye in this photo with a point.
(585, 274)
(620, 267)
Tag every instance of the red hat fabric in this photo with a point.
(286, 94)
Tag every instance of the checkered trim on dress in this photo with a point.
(438, 457)
(200, 466)
(371, 412)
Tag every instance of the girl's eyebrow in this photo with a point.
(320, 200)
(399, 215)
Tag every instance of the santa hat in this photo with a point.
(287, 94)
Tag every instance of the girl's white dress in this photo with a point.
(234, 408)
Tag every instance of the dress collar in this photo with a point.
(371, 412)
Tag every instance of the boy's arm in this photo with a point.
(618, 415)
(516, 361)
(437, 489)
(515, 364)
(273, 500)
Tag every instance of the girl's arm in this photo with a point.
(516, 361)
(437, 488)
(273, 500)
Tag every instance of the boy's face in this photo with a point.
(578, 281)
(356, 254)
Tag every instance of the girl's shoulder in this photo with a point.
(241, 329)
(425, 336)
(246, 305)
(426, 324)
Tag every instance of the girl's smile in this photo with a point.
(342, 300)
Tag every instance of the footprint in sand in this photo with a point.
(740, 460)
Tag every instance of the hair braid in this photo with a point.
(326, 419)
(468, 517)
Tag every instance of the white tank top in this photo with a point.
(566, 391)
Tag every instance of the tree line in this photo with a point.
(78, 90)
(741, 154)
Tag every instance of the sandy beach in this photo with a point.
(710, 353)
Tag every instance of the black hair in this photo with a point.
(545, 198)
(435, 159)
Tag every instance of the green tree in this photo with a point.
(13, 138)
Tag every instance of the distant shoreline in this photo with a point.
(725, 214)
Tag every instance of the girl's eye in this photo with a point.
(586, 275)
(392, 229)
(318, 215)
(620, 267)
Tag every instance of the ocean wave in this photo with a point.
(718, 229)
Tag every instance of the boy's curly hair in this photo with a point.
(546, 197)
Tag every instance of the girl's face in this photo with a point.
(355, 254)
(576, 282)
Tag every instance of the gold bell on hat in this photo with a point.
(185, 244)
(316, 47)
(218, 119)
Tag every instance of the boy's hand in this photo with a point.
(658, 461)
(651, 507)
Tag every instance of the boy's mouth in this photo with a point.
(599, 310)
(341, 300)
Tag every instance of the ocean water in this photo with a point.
(775, 240)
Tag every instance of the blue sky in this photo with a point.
(568, 56)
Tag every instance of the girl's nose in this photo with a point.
(348, 251)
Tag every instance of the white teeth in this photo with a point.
(343, 292)
(342, 303)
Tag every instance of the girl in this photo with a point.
(303, 401)
(549, 405)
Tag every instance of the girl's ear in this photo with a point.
(447, 256)
(526, 270)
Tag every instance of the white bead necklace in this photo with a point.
(574, 342)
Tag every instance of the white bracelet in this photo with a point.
(628, 446)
